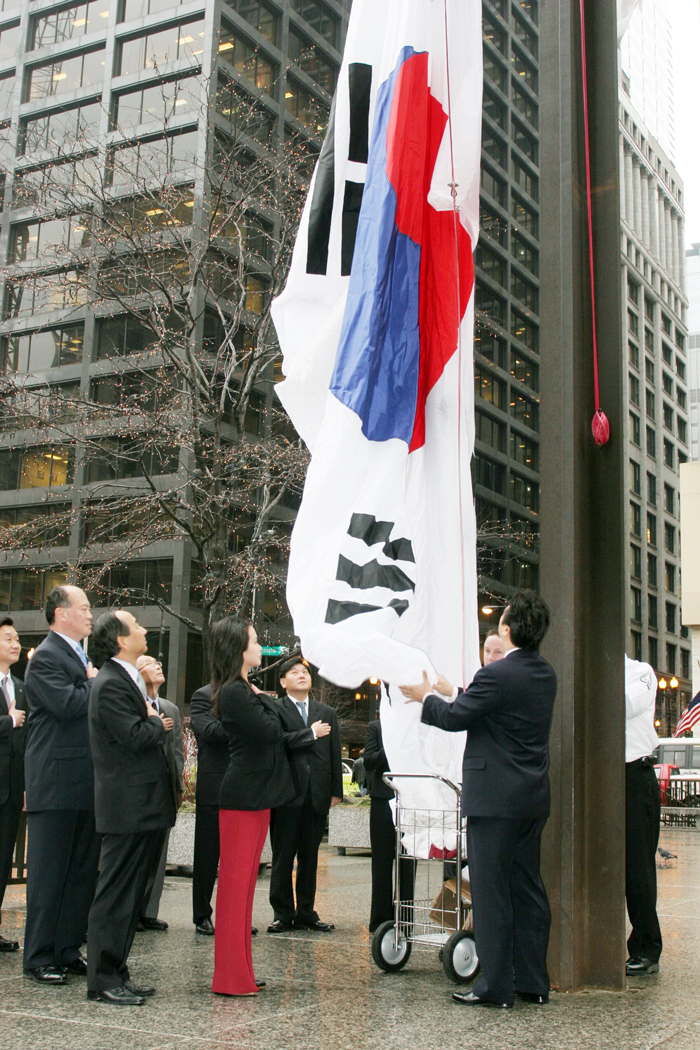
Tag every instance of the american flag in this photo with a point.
(689, 717)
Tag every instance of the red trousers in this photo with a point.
(242, 834)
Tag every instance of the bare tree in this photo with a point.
(177, 247)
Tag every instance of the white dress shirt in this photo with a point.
(6, 680)
(305, 716)
(640, 705)
(72, 643)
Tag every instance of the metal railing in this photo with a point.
(680, 801)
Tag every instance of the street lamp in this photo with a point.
(668, 691)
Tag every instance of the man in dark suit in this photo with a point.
(63, 847)
(296, 829)
(134, 804)
(382, 834)
(212, 762)
(12, 715)
(507, 711)
(151, 671)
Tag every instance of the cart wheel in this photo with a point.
(389, 954)
(459, 959)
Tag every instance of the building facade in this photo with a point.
(89, 77)
(692, 285)
(657, 436)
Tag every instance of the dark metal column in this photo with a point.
(583, 490)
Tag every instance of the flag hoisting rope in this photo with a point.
(376, 329)
(600, 424)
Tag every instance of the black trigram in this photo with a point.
(321, 211)
(373, 573)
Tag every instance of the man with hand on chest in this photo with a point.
(151, 671)
(296, 829)
(134, 804)
(12, 715)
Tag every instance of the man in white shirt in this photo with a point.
(643, 817)
(12, 715)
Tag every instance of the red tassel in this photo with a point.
(601, 428)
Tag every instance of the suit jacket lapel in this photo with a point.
(291, 706)
(136, 694)
(63, 644)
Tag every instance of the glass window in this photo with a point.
(685, 673)
(309, 57)
(487, 302)
(668, 417)
(635, 429)
(161, 102)
(633, 322)
(670, 537)
(305, 106)
(37, 351)
(27, 296)
(651, 488)
(524, 450)
(492, 185)
(633, 291)
(154, 160)
(651, 442)
(670, 618)
(650, 399)
(489, 431)
(525, 217)
(495, 71)
(669, 454)
(633, 353)
(261, 17)
(525, 410)
(492, 223)
(524, 574)
(141, 8)
(488, 387)
(490, 263)
(494, 108)
(681, 398)
(66, 74)
(636, 561)
(635, 478)
(525, 70)
(652, 570)
(526, 256)
(636, 604)
(636, 518)
(319, 18)
(670, 577)
(525, 35)
(524, 330)
(9, 42)
(651, 529)
(634, 389)
(667, 354)
(490, 346)
(669, 499)
(494, 145)
(670, 658)
(521, 289)
(525, 179)
(524, 370)
(525, 105)
(59, 132)
(682, 430)
(653, 611)
(492, 32)
(158, 49)
(653, 652)
(487, 473)
(680, 368)
(69, 23)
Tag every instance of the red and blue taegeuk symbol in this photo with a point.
(403, 309)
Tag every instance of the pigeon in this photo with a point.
(666, 857)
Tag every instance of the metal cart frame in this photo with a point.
(424, 923)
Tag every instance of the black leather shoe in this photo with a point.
(320, 927)
(278, 926)
(153, 924)
(117, 996)
(253, 931)
(640, 967)
(206, 927)
(46, 975)
(139, 989)
(469, 999)
(140, 927)
(260, 984)
(531, 997)
(77, 966)
(8, 946)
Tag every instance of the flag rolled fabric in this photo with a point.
(376, 328)
(690, 716)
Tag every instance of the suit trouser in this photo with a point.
(382, 836)
(510, 906)
(242, 839)
(206, 860)
(10, 813)
(295, 831)
(127, 864)
(63, 852)
(154, 889)
(643, 817)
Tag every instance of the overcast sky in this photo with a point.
(685, 19)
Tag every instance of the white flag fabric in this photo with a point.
(625, 10)
(376, 328)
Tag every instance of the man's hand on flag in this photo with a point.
(417, 693)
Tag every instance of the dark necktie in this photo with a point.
(302, 710)
(6, 692)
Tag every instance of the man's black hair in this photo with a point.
(7, 622)
(292, 662)
(58, 597)
(105, 634)
(527, 615)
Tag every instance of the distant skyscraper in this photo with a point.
(646, 54)
(692, 273)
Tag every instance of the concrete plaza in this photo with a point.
(325, 993)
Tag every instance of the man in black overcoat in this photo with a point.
(63, 847)
(212, 762)
(507, 712)
(12, 732)
(135, 804)
(296, 829)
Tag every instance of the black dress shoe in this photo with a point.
(315, 924)
(206, 927)
(117, 996)
(532, 997)
(46, 975)
(278, 926)
(139, 989)
(140, 927)
(153, 924)
(253, 931)
(260, 984)
(8, 946)
(469, 999)
(77, 966)
(637, 966)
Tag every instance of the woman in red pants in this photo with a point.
(258, 778)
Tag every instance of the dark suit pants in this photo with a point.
(9, 822)
(128, 862)
(295, 831)
(511, 911)
(382, 835)
(206, 860)
(63, 851)
(643, 816)
(154, 889)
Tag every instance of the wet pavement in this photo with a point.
(325, 993)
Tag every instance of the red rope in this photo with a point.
(600, 425)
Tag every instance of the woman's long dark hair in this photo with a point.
(228, 641)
